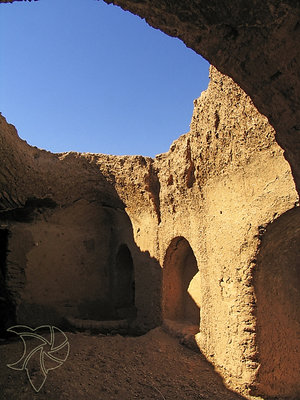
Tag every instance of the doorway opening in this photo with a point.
(180, 267)
(124, 283)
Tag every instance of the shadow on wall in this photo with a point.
(77, 260)
(277, 288)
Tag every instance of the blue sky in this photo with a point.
(86, 76)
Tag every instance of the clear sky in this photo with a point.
(86, 76)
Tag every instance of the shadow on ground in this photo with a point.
(150, 367)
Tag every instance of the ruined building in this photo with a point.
(206, 235)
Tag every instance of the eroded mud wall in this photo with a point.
(256, 43)
(276, 285)
(226, 188)
(66, 264)
(218, 186)
(65, 224)
(232, 179)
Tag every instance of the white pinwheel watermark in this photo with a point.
(45, 348)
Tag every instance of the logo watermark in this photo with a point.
(45, 348)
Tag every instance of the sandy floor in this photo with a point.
(153, 366)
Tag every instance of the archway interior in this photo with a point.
(180, 266)
(123, 281)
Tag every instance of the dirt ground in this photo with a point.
(154, 366)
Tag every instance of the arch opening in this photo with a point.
(180, 267)
(124, 283)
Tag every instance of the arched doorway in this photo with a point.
(123, 282)
(180, 267)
